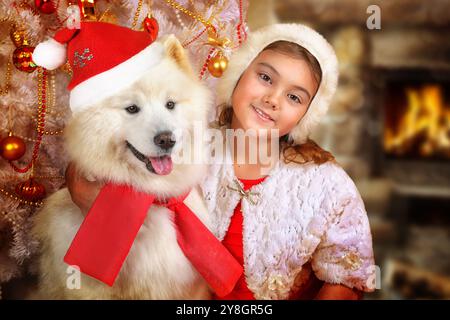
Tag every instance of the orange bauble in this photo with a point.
(12, 148)
(217, 65)
(30, 190)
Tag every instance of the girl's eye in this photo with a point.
(133, 109)
(264, 77)
(170, 105)
(294, 98)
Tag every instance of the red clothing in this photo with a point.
(234, 243)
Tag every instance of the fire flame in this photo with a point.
(424, 126)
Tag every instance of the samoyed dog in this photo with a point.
(129, 139)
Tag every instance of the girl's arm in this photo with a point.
(82, 191)
(344, 255)
(337, 292)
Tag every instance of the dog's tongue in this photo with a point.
(162, 165)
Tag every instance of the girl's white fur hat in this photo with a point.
(303, 36)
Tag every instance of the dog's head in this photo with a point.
(137, 136)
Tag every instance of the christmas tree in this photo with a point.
(34, 101)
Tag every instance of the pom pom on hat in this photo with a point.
(50, 54)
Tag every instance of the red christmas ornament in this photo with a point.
(151, 26)
(45, 6)
(12, 148)
(30, 190)
(23, 59)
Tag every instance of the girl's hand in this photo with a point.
(82, 191)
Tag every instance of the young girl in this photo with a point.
(301, 231)
(306, 218)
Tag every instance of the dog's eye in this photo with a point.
(133, 109)
(170, 104)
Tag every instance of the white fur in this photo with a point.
(305, 37)
(155, 267)
(50, 54)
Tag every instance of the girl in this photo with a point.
(301, 231)
(306, 218)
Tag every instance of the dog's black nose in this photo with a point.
(164, 140)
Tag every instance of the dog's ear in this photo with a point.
(175, 51)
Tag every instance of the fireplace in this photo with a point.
(411, 109)
(416, 112)
(413, 112)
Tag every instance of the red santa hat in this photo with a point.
(105, 58)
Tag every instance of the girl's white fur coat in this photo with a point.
(303, 213)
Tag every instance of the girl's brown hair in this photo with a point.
(298, 153)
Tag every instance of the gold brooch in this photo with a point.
(245, 194)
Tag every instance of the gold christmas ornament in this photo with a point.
(17, 36)
(12, 147)
(217, 65)
(88, 10)
(31, 190)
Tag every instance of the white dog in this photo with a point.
(129, 139)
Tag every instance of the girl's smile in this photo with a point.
(264, 117)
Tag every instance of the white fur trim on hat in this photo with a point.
(50, 54)
(303, 36)
(108, 83)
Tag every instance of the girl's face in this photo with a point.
(274, 92)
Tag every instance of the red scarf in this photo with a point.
(107, 233)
